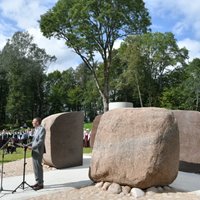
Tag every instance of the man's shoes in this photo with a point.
(38, 187)
(34, 185)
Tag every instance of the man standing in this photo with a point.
(38, 148)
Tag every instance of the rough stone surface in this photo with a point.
(138, 147)
(95, 125)
(189, 131)
(115, 188)
(136, 192)
(64, 139)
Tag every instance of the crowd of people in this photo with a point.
(13, 138)
(25, 136)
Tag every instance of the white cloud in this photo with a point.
(117, 43)
(3, 40)
(25, 13)
(66, 58)
(182, 14)
(179, 28)
(192, 45)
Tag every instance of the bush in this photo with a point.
(9, 126)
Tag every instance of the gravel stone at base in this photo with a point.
(94, 193)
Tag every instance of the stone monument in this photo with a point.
(95, 125)
(138, 147)
(64, 139)
(189, 132)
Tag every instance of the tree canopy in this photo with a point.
(149, 58)
(92, 26)
(23, 64)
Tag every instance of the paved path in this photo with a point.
(188, 182)
(55, 180)
(76, 177)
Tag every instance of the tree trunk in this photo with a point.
(105, 96)
(139, 93)
(104, 91)
(105, 103)
(197, 100)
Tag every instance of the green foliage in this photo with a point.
(184, 93)
(149, 57)
(148, 70)
(174, 98)
(24, 65)
(93, 26)
(84, 23)
(72, 90)
(3, 92)
(192, 83)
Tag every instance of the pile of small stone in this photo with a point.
(128, 191)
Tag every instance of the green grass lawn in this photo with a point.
(87, 150)
(19, 154)
(88, 125)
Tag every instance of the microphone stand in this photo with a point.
(23, 183)
(2, 164)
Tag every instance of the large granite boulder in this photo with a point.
(189, 132)
(95, 125)
(138, 147)
(64, 139)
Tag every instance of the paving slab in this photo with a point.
(187, 182)
(54, 181)
(77, 177)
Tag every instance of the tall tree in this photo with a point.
(54, 96)
(92, 26)
(173, 95)
(72, 90)
(61, 89)
(90, 100)
(150, 56)
(3, 92)
(24, 63)
(192, 83)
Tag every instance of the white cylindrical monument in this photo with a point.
(114, 105)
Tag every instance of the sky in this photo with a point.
(181, 17)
